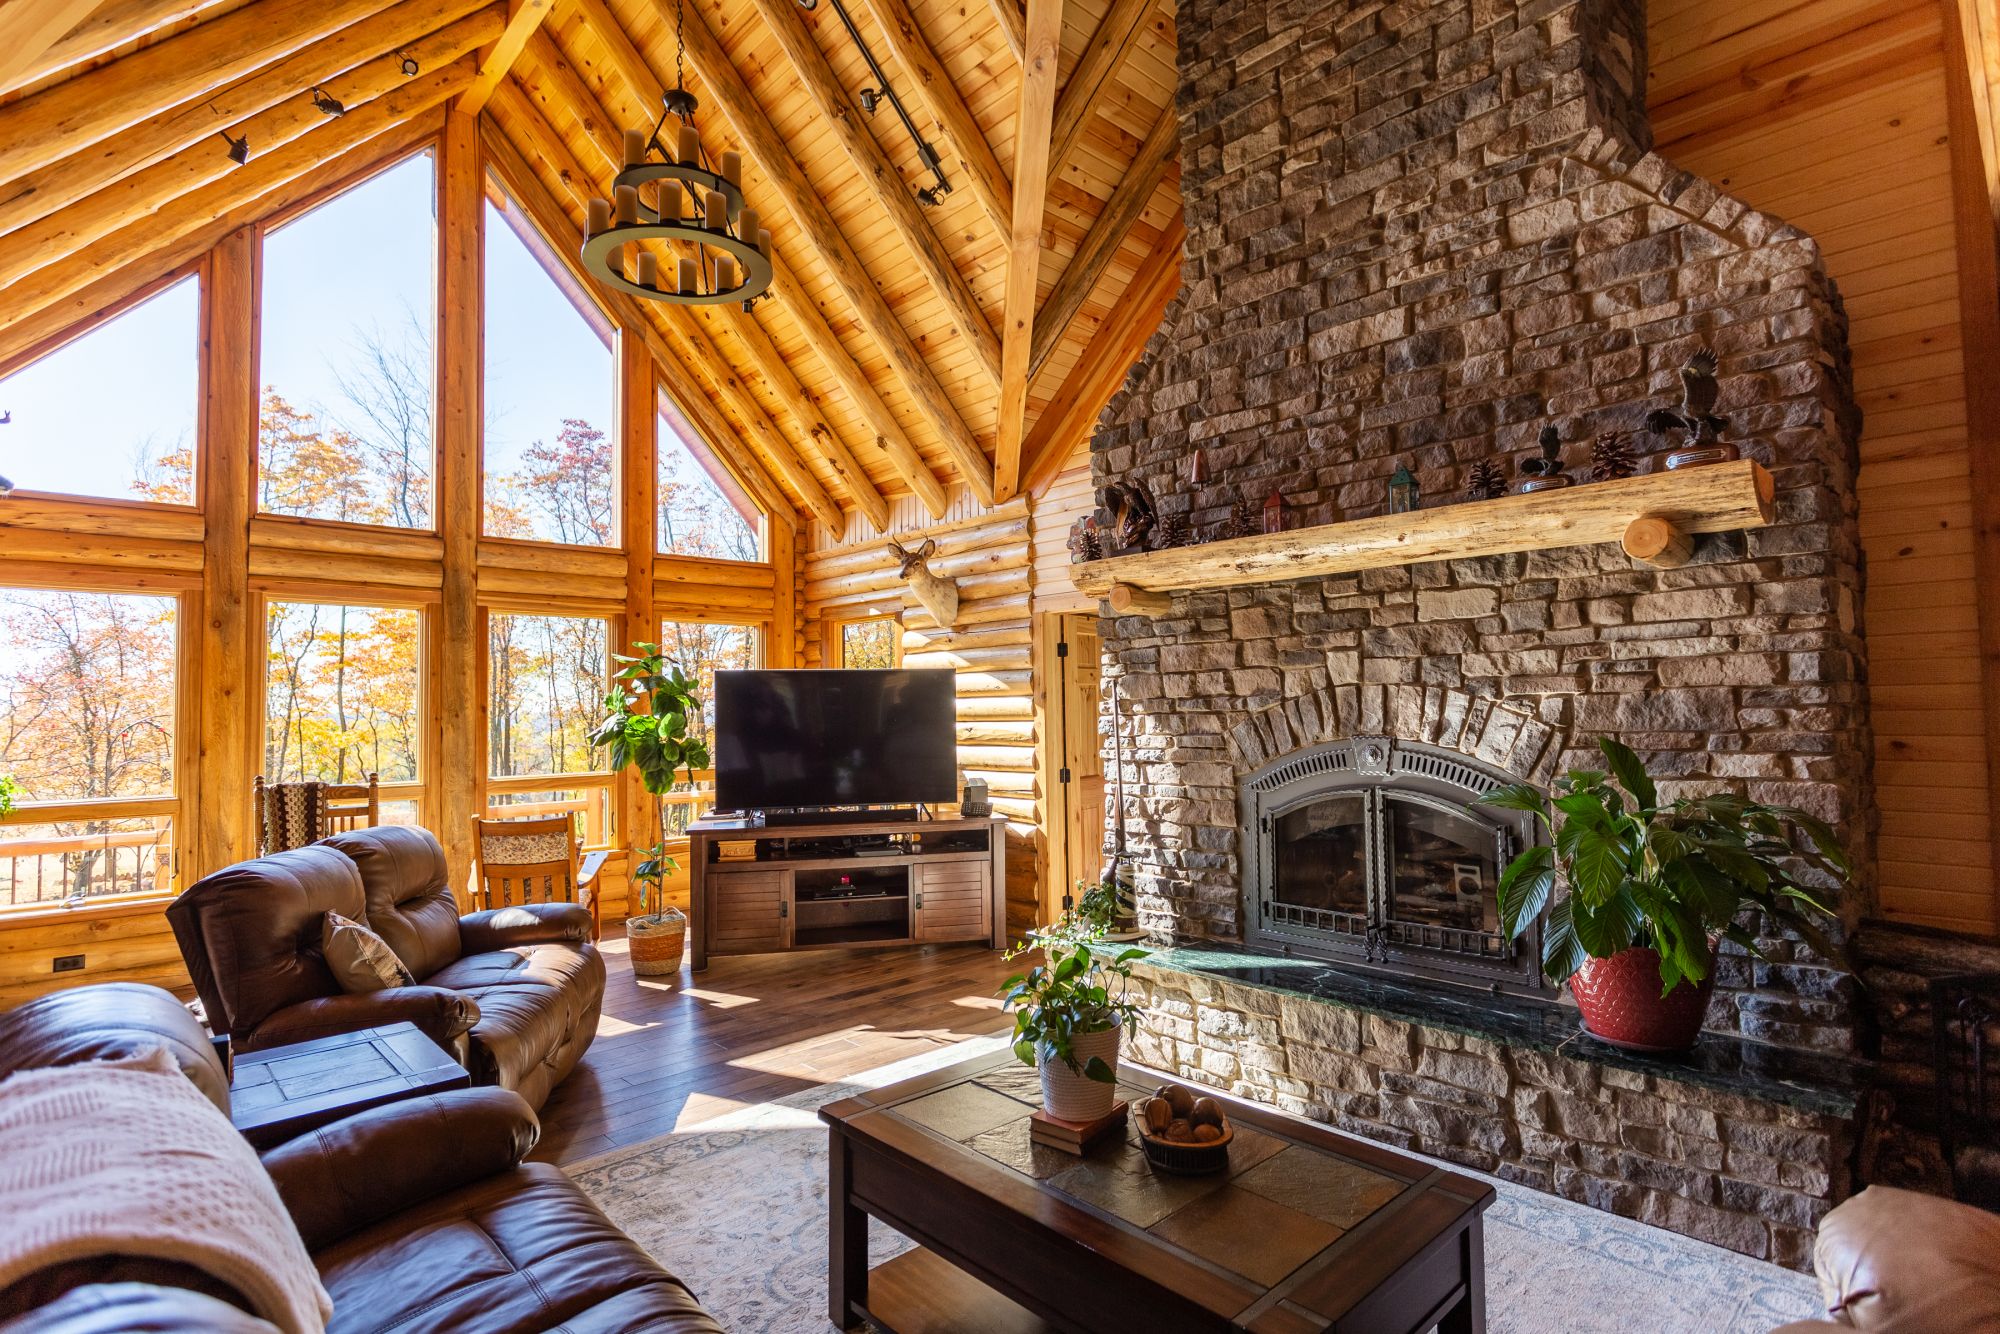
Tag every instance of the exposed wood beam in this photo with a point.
(1107, 234)
(638, 499)
(457, 715)
(1036, 111)
(131, 261)
(191, 212)
(524, 20)
(77, 194)
(30, 27)
(110, 24)
(1102, 368)
(1090, 82)
(1974, 125)
(597, 125)
(947, 106)
(1013, 26)
(71, 115)
(766, 148)
(554, 221)
(882, 179)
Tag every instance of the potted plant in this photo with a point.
(1106, 906)
(1652, 885)
(647, 717)
(1067, 1020)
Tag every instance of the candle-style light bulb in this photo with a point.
(690, 146)
(746, 225)
(635, 147)
(649, 269)
(725, 273)
(764, 240)
(732, 168)
(687, 275)
(715, 214)
(600, 216)
(625, 205)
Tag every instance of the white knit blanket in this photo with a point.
(128, 1158)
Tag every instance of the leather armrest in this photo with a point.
(123, 1308)
(441, 1014)
(586, 873)
(356, 1172)
(524, 924)
(1898, 1262)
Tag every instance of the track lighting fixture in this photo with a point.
(930, 196)
(239, 149)
(870, 98)
(328, 104)
(410, 66)
(808, 4)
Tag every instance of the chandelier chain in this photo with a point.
(680, 45)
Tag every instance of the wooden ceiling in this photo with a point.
(909, 349)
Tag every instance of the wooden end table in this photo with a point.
(1308, 1231)
(279, 1093)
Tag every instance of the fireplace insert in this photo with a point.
(1369, 851)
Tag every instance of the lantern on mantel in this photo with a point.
(1402, 491)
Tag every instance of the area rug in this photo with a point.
(737, 1207)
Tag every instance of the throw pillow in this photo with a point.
(361, 960)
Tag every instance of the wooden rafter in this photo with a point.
(110, 24)
(1024, 249)
(54, 212)
(1013, 26)
(1105, 363)
(947, 106)
(549, 216)
(568, 86)
(882, 180)
(193, 211)
(1090, 82)
(28, 28)
(1107, 233)
(76, 113)
(524, 20)
(766, 148)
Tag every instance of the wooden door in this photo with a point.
(749, 911)
(1073, 770)
(952, 900)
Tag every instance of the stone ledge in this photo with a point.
(1739, 1145)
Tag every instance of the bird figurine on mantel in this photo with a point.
(1700, 428)
(1545, 473)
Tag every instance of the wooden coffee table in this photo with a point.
(281, 1092)
(1309, 1230)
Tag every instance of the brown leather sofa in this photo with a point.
(419, 1215)
(1898, 1262)
(514, 993)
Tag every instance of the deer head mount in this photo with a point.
(938, 595)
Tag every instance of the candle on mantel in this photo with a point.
(600, 216)
(715, 216)
(688, 276)
(626, 204)
(732, 168)
(746, 225)
(725, 273)
(690, 146)
(649, 269)
(635, 147)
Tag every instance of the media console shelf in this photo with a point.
(846, 886)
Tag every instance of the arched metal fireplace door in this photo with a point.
(1369, 851)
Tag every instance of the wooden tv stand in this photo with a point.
(925, 881)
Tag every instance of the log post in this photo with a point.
(1126, 600)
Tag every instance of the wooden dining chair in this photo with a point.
(352, 806)
(537, 860)
(291, 815)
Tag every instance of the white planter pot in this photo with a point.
(1071, 1095)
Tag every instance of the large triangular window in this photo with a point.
(704, 510)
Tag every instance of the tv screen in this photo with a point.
(834, 738)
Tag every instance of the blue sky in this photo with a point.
(361, 264)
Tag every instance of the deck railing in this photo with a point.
(69, 852)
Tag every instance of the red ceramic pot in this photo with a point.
(1622, 1005)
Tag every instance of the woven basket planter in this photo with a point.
(1070, 1095)
(657, 942)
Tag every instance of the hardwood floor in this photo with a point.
(672, 1052)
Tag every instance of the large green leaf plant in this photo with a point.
(1070, 993)
(648, 724)
(1671, 875)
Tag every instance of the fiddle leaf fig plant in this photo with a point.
(1671, 875)
(1069, 994)
(647, 724)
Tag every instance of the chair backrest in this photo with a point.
(294, 815)
(352, 806)
(526, 861)
(408, 892)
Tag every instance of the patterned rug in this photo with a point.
(737, 1206)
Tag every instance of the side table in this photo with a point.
(279, 1093)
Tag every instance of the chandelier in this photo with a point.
(718, 252)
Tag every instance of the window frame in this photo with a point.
(663, 398)
(600, 815)
(836, 639)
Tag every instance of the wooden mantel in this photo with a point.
(1655, 518)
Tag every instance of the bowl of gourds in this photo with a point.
(1184, 1134)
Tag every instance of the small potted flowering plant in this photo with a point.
(1068, 1019)
(1652, 885)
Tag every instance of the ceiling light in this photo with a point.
(328, 104)
(410, 66)
(239, 149)
(870, 98)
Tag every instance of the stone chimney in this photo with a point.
(1417, 234)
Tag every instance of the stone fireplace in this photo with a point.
(1372, 850)
(1417, 234)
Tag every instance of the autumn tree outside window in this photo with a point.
(343, 698)
(546, 681)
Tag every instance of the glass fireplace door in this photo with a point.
(1444, 867)
(1321, 856)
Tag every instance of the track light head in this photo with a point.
(870, 99)
(239, 149)
(930, 196)
(328, 104)
(410, 66)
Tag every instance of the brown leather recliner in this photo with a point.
(1900, 1262)
(419, 1215)
(512, 992)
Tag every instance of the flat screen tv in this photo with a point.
(803, 739)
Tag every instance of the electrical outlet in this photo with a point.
(68, 963)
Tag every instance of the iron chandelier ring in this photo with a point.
(602, 254)
(644, 172)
